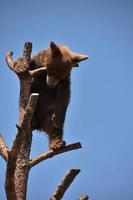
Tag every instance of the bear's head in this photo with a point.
(60, 63)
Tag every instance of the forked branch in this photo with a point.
(21, 65)
(64, 185)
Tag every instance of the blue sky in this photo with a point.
(100, 114)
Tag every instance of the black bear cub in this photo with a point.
(53, 87)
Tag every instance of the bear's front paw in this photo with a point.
(56, 144)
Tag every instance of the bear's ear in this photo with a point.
(79, 57)
(55, 49)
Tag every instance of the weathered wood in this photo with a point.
(64, 185)
(17, 165)
(52, 153)
(3, 149)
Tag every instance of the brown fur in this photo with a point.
(54, 90)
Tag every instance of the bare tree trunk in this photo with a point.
(17, 174)
(17, 166)
(18, 157)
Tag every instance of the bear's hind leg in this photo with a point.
(56, 138)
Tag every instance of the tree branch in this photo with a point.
(3, 149)
(64, 185)
(21, 65)
(9, 59)
(24, 126)
(36, 72)
(27, 50)
(17, 165)
(52, 153)
(29, 110)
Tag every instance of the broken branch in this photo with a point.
(52, 153)
(17, 167)
(27, 50)
(3, 149)
(9, 59)
(36, 72)
(29, 110)
(64, 185)
(24, 126)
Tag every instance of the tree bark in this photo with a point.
(18, 158)
(17, 168)
(65, 183)
(3, 149)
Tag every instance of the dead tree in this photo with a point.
(17, 158)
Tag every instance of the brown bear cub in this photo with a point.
(53, 87)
